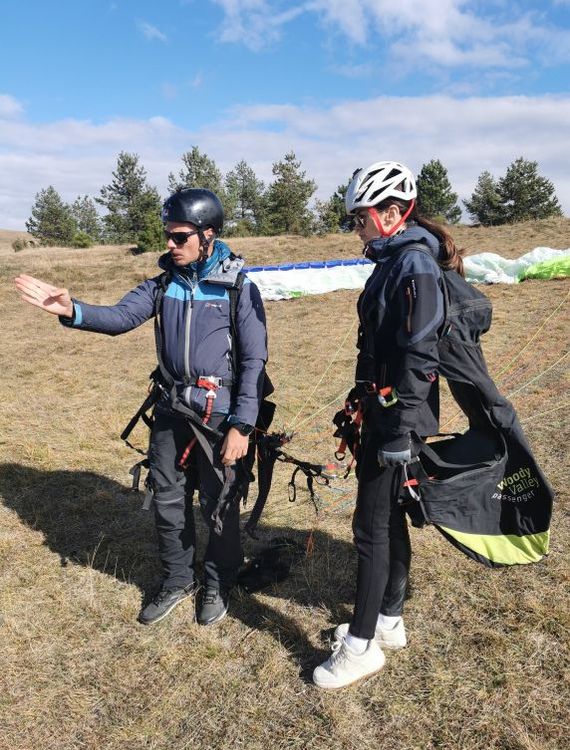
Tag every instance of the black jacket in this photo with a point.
(401, 311)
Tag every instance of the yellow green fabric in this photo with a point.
(558, 268)
(507, 549)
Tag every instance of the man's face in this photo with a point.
(189, 251)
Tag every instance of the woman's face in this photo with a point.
(369, 222)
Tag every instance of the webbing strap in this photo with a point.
(234, 293)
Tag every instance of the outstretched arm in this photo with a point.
(52, 299)
(134, 308)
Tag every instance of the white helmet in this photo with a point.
(383, 179)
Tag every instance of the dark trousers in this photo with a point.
(173, 510)
(382, 541)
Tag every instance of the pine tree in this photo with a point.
(524, 194)
(485, 203)
(245, 195)
(436, 200)
(331, 214)
(151, 237)
(128, 199)
(288, 198)
(51, 222)
(84, 212)
(198, 171)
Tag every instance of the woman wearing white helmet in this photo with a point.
(401, 312)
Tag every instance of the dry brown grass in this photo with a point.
(488, 664)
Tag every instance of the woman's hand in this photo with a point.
(234, 447)
(45, 296)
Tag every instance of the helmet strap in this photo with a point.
(204, 246)
(388, 233)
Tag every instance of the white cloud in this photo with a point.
(255, 23)
(150, 32)
(9, 106)
(444, 33)
(468, 135)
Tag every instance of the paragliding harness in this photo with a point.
(482, 489)
(266, 446)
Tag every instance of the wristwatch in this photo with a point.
(243, 429)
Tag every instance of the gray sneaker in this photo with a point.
(163, 603)
(214, 606)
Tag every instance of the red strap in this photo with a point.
(205, 419)
(376, 219)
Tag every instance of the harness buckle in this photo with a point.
(209, 382)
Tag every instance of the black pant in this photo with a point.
(382, 542)
(173, 506)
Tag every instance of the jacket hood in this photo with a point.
(219, 253)
(414, 233)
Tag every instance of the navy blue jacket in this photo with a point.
(195, 327)
(401, 311)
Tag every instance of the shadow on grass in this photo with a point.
(91, 520)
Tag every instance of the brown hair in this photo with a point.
(451, 255)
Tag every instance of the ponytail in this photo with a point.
(451, 256)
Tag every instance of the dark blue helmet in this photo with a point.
(196, 206)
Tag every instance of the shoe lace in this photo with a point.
(210, 596)
(162, 595)
(338, 652)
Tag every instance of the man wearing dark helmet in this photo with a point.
(210, 388)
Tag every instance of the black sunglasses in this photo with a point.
(360, 220)
(180, 238)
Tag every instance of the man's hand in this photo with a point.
(235, 446)
(45, 296)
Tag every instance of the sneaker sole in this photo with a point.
(165, 614)
(348, 684)
(390, 646)
(219, 618)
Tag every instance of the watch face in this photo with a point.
(245, 429)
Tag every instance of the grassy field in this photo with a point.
(488, 665)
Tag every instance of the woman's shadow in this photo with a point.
(90, 520)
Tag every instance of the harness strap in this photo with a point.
(149, 401)
(210, 381)
(234, 293)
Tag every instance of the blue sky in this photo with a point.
(475, 84)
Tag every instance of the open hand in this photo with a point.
(45, 296)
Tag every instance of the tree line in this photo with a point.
(129, 208)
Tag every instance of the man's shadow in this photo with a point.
(90, 520)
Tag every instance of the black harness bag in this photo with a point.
(483, 489)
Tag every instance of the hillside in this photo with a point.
(510, 241)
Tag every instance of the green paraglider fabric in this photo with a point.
(557, 268)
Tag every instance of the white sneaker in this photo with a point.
(391, 639)
(344, 667)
